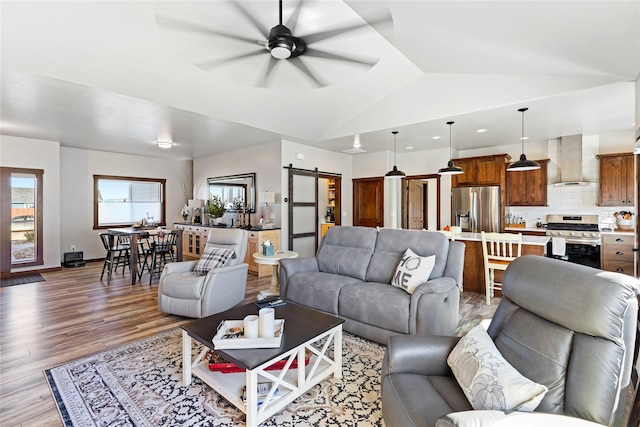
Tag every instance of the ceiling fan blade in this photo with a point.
(293, 19)
(264, 82)
(256, 24)
(328, 55)
(176, 24)
(297, 62)
(208, 65)
(322, 35)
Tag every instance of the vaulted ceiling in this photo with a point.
(117, 76)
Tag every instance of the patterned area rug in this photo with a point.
(140, 384)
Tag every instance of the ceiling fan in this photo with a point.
(281, 43)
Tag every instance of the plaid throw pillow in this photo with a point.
(212, 258)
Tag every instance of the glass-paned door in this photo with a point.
(303, 211)
(21, 218)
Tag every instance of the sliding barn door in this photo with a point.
(303, 211)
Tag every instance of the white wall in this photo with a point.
(264, 160)
(45, 155)
(76, 193)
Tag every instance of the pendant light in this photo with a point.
(523, 164)
(451, 169)
(394, 173)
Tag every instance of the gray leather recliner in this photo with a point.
(567, 326)
(182, 293)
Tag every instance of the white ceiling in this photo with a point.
(105, 75)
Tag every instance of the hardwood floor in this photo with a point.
(72, 314)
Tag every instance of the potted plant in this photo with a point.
(215, 209)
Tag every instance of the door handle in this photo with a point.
(619, 253)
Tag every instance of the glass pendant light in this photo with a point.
(523, 164)
(394, 173)
(451, 169)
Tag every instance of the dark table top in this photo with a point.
(300, 325)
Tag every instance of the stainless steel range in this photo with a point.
(574, 238)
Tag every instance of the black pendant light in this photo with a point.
(523, 164)
(394, 173)
(451, 169)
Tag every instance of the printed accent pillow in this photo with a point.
(488, 380)
(212, 258)
(412, 271)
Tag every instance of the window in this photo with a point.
(21, 202)
(124, 201)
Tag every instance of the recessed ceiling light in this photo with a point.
(409, 147)
(435, 137)
(164, 144)
(482, 130)
(524, 137)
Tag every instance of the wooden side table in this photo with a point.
(273, 260)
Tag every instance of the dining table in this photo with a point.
(134, 234)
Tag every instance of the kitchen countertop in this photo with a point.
(527, 229)
(623, 232)
(526, 240)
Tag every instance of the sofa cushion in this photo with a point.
(412, 270)
(487, 379)
(318, 290)
(391, 245)
(377, 304)
(211, 258)
(347, 251)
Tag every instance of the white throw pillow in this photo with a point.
(212, 258)
(413, 270)
(487, 379)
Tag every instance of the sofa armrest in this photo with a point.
(178, 267)
(291, 266)
(224, 288)
(434, 286)
(418, 354)
(455, 262)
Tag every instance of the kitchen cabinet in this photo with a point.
(255, 241)
(324, 227)
(528, 188)
(616, 180)
(484, 170)
(616, 252)
(194, 237)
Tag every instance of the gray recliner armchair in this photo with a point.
(568, 327)
(183, 293)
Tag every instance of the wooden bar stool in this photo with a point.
(117, 255)
(498, 250)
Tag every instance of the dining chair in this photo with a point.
(161, 250)
(117, 255)
(498, 250)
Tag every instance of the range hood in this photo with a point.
(570, 162)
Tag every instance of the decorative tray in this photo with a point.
(228, 338)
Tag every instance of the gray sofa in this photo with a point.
(351, 274)
(566, 326)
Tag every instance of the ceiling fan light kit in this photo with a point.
(450, 169)
(523, 164)
(394, 173)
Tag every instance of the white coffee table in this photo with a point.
(273, 260)
(305, 331)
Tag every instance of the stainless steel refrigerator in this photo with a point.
(476, 209)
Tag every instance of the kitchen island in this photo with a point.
(473, 275)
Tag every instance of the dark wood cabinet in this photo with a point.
(368, 202)
(484, 170)
(616, 180)
(528, 188)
